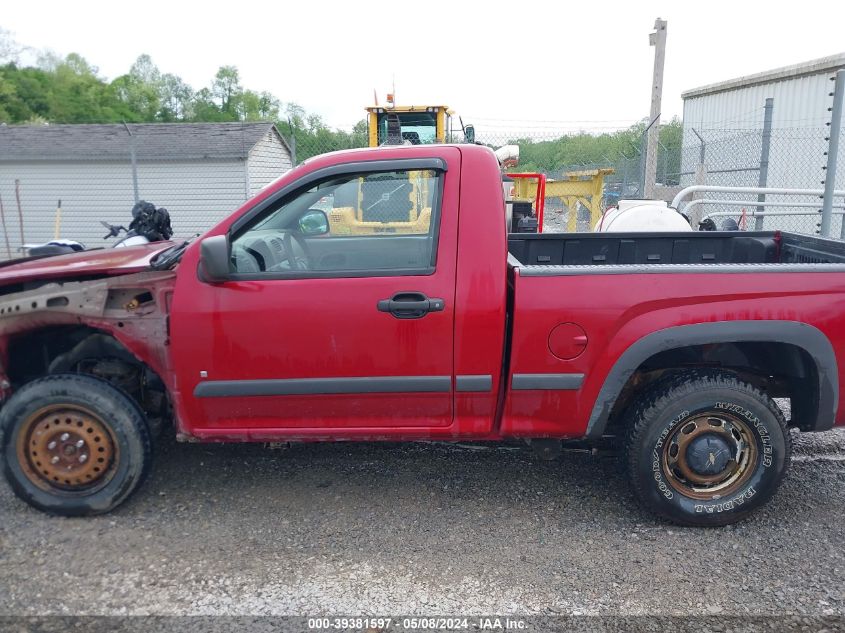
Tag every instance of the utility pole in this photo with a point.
(658, 40)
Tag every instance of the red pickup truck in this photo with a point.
(376, 295)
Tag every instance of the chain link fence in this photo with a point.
(793, 158)
(787, 158)
(63, 181)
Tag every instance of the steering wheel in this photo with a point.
(296, 263)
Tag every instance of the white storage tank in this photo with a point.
(637, 216)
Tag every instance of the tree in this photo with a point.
(7, 95)
(175, 99)
(140, 89)
(226, 89)
(144, 71)
(78, 95)
(258, 107)
(360, 134)
(24, 93)
(10, 50)
(48, 61)
(671, 144)
(268, 106)
(295, 115)
(205, 107)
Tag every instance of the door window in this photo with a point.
(373, 224)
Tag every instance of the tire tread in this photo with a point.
(104, 389)
(641, 414)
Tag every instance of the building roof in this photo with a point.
(168, 141)
(813, 67)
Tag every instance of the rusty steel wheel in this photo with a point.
(67, 447)
(73, 444)
(704, 448)
(710, 455)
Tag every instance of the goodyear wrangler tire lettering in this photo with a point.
(704, 448)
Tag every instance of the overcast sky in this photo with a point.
(584, 63)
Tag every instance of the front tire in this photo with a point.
(705, 448)
(73, 444)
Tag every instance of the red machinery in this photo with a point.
(540, 199)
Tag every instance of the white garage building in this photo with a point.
(728, 119)
(200, 172)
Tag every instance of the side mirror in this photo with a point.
(469, 134)
(214, 258)
(314, 222)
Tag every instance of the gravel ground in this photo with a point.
(422, 528)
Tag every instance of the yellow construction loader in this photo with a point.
(386, 203)
(411, 125)
(408, 206)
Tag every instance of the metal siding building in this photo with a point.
(199, 172)
(734, 109)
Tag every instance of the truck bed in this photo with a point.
(699, 247)
(596, 296)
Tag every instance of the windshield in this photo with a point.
(415, 128)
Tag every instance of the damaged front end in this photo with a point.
(115, 328)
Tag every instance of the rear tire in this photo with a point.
(73, 445)
(705, 448)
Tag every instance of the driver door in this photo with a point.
(338, 313)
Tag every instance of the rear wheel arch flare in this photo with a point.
(807, 338)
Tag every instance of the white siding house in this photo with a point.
(199, 172)
(265, 160)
